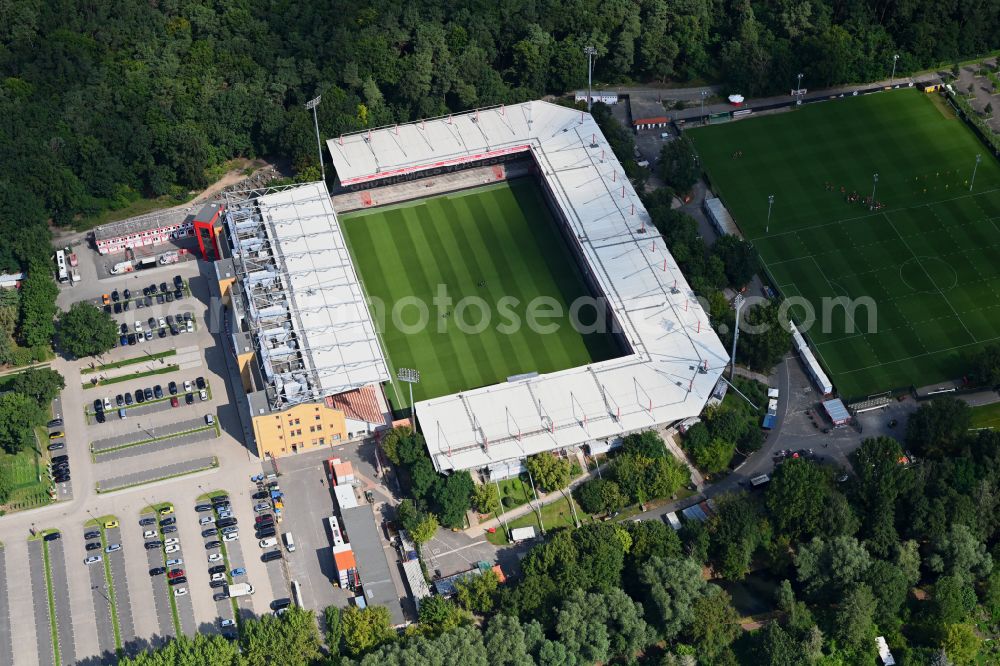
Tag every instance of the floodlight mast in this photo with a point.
(895, 59)
(770, 203)
(704, 94)
(874, 185)
(312, 104)
(979, 158)
(737, 303)
(591, 52)
(411, 377)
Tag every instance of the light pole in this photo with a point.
(312, 104)
(704, 94)
(737, 303)
(979, 158)
(591, 52)
(798, 89)
(411, 377)
(895, 58)
(503, 522)
(874, 185)
(770, 202)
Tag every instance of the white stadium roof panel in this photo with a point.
(675, 359)
(311, 267)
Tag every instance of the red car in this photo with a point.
(174, 402)
(175, 573)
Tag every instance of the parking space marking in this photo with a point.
(40, 604)
(6, 644)
(149, 475)
(161, 600)
(203, 433)
(60, 592)
(20, 599)
(119, 578)
(102, 615)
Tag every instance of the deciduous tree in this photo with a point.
(84, 330)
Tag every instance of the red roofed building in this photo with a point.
(365, 407)
(650, 123)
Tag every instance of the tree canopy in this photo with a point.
(85, 330)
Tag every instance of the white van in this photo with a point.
(267, 543)
(289, 542)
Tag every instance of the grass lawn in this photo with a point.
(926, 259)
(555, 515)
(29, 480)
(100, 367)
(986, 416)
(495, 242)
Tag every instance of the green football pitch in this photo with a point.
(491, 243)
(928, 259)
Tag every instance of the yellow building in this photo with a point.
(299, 428)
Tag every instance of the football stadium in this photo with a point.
(499, 261)
(885, 199)
(525, 203)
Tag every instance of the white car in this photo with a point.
(148, 534)
(171, 549)
(190, 327)
(93, 559)
(162, 322)
(232, 536)
(218, 576)
(267, 543)
(172, 541)
(226, 622)
(180, 591)
(203, 394)
(188, 385)
(206, 520)
(263, 506)
(138, 326)
(215, 557)
(107, 404)
(225, 513)
(175, 563)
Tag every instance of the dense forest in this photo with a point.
(103, 102)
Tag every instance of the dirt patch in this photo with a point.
(942, 105)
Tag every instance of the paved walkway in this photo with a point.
(146, 476)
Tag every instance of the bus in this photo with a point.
(61, 270)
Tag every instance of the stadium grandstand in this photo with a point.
(673, 358)
(297, 321)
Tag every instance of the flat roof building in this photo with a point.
(373, 566)
(144, 230)
(297, 322)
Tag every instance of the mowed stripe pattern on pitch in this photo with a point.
(500, 237)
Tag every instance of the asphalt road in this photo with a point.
(119, 577)
(102, 615)
(158, 446)
(60, 592)
(146, 476)
(145, 434)
(6, 644)
(40, 601)
(161, 591)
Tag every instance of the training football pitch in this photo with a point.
(928, 258)
(491, 243)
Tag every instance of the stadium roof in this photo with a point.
(311, 325)
(676, 358)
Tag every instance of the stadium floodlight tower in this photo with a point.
(312, 104)
(892, 77)
(871, 205)
(798, 88)
(411, 377)
(704, 94)
(590, 51)
(737, 304)
(770, 203)
(979, 158)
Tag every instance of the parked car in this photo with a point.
(148, 392)
(171, 549)
(219, 576)
(270, 556)
(238, 571)
(206, 520)
(217, 583)
(92, 534)
(177, 581)
(175, 562)
(152, 545)
(169, 529)
(203, 394)
(56, 446)
(215, 557)
(220, 596)
(202, 508)
(175, 573)
(169, 520)
(149, 534)
(212, 544)
(189, 398)
(232, 536)
(110, 524)
(158, 391)
(113, 548)
(180, 591)
(200, 382)
(217, 569)
(147, 521)
(174, 402)
(267, 543)
(93, 545)
(172, 388)
(157, 571)
(53, 536)
(128, 400)
(93, 559)
(140, 397)
(172, 541)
